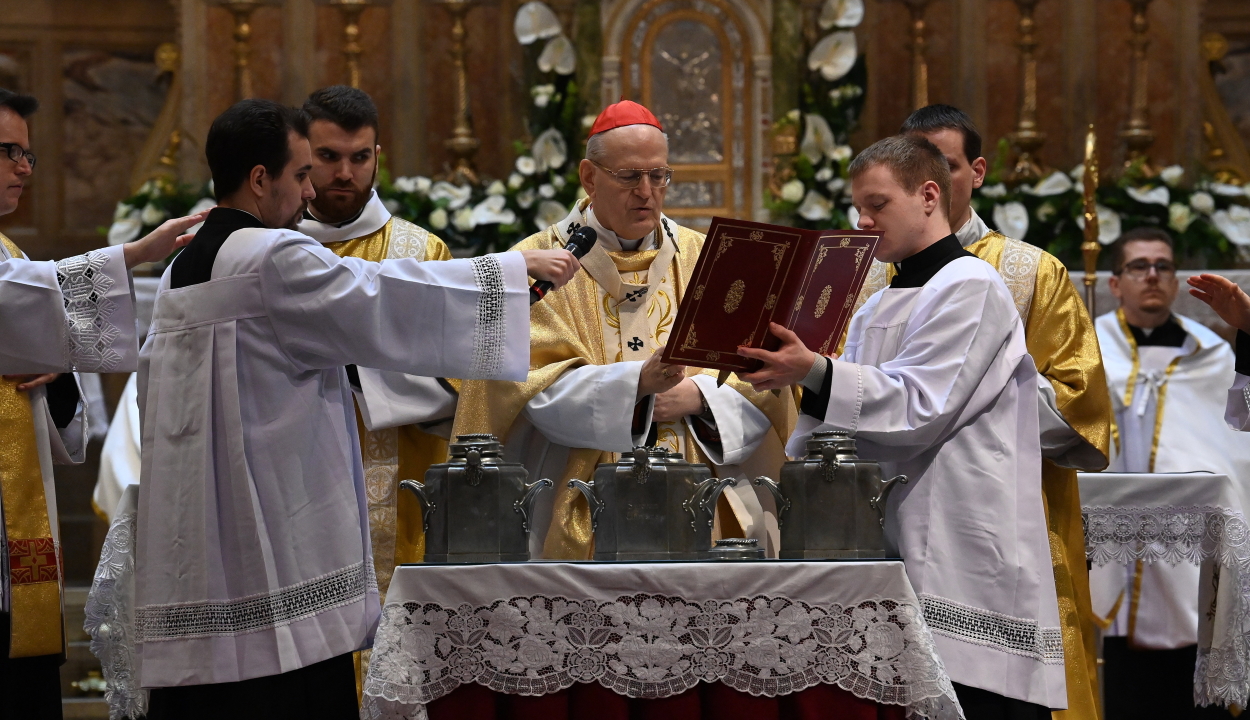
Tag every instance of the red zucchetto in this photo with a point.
(625, 112)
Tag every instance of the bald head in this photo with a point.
(629, 212)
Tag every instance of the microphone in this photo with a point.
(580, 243)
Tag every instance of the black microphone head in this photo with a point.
(581, 241)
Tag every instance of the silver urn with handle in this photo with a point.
(476, 507)
(831, 503)
(652, 505)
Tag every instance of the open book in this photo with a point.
(750, 274)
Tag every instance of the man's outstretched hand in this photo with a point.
(158, 244)
(30, 382)
(556, 266)
(1228, 300)
(785, 366)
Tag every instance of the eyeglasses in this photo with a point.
(17, 152)
(629, 178)
(1140, 269)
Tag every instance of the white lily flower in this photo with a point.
(546, 190)
(1172, 175)
(1154, 196)
(1179, 217)
(424, 184)
(515, 181)
(1227, 190)
(825, 174)
(1202, 202)
(816, 207)
(392, 205)
(836, 185)
(541, 100)
(493, 210)
(834, 55)
(559, 55)
(463, 219)
(456, 195)
(841, 153)
(438, 218)
(200, 206)
(559, 182)
(549, 213)
(153, 215)
(841, 13)
(535, 21)
(123, 211)
(1044, 212)
(124, 230)
(994, 191)
(496, 188)
(588, 121)
(1108, 224)
(818, 141)
(1057, 183)
(526, 198)
(147, 188)
(1234, 223)
(1078, 172)
(1012, 219)
(550, 150)
(793, 191)
(405, 184)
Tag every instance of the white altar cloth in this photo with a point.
(1189, 517)
(653, 630)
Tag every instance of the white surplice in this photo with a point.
(391, 399)
(72, 314)
(253, 553)
(1169, 422)
(937, 384)
(592, 406)
(120, 456)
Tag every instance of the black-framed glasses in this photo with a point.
(1140, 269)
(631, 177)
(17, 152)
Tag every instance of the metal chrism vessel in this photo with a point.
(652, 505)
(476, 506)
(831, 504)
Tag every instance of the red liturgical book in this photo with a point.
(750, 274)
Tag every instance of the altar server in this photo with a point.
(404, 419)
(254, 576)
(54, 316)
(936, 382)
(1168, 375)
(1073, 404)
(596, 385)
(1232, 304)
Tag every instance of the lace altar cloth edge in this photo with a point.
(1174, 518)
(640, 641)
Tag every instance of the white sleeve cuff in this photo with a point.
(741, 425)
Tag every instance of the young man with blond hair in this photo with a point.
(936, 383)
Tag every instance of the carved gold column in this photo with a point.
(242, 11)
(351, 10)
(919, 65)
(1027, 139)
(1091, 247)
(1137, 135)
(462, 143)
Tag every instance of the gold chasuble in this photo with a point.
(585, 323)
(402, 453)
(1060, 336)
(34, 585)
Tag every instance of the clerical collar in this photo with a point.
(1169, 334)
(613, 242)
(309, 216)
(371, 218)
(194, 265)
(915, 271)
(973, 230)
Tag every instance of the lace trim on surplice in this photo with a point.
(654, 646)
(91, 332)
(1018, 636)
(490, 327)
(110, 620)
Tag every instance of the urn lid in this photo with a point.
(652, 455)
(483, 445)
(839, 442)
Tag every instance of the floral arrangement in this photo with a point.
(811, 189)
(1209, 221)
(543, 185)
(158, 200)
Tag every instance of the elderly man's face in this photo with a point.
(631, 213)
(13, 175)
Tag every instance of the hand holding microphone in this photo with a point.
(554, 268)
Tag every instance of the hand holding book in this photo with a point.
(783, 367)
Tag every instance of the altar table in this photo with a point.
(1184, 517)
(752, 638)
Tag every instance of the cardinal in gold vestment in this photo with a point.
(596, 386)
(1075, 407)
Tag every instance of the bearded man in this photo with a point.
(1073, 405)
(403, 419)
(596, 385)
